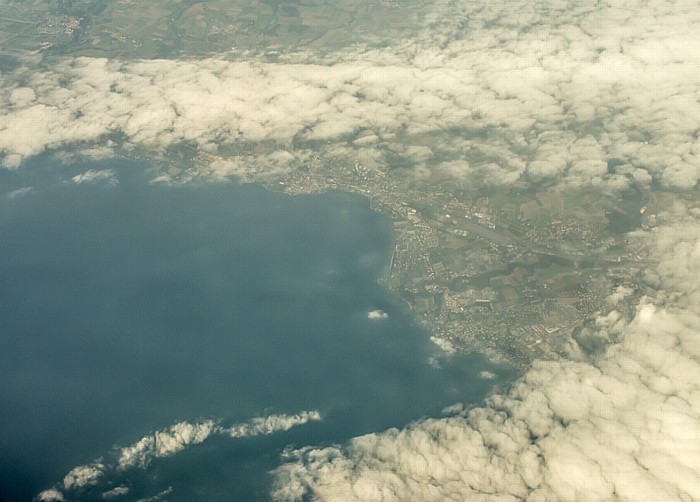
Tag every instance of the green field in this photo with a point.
(180, 28)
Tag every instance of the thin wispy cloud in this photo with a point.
(106, 176)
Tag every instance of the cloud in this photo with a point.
(453, 409)
(93, 152)
(581, 97)
(620, 293)
(106, 176)
(165, 443)
(118, 491)
(377, 314)
(445, 345)
(19, 192)
(22, 96)
(83, 475)
(261, 426)
(50, 496)
(183, 434)
(625, 427)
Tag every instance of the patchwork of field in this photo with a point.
(167, 28)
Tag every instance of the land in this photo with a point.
(168, 28)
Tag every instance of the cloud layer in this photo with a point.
(594, 96)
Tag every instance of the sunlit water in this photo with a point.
(128, 307)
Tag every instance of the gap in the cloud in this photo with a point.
(130, 306)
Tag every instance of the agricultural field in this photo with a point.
(167, 28)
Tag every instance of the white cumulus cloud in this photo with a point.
(83, 475)
(377, 314)
(165, 443)
(268, 425)
(50, 496)
(445, 345)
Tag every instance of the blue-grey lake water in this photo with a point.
(128, 306)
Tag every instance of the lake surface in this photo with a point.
(130, 306)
